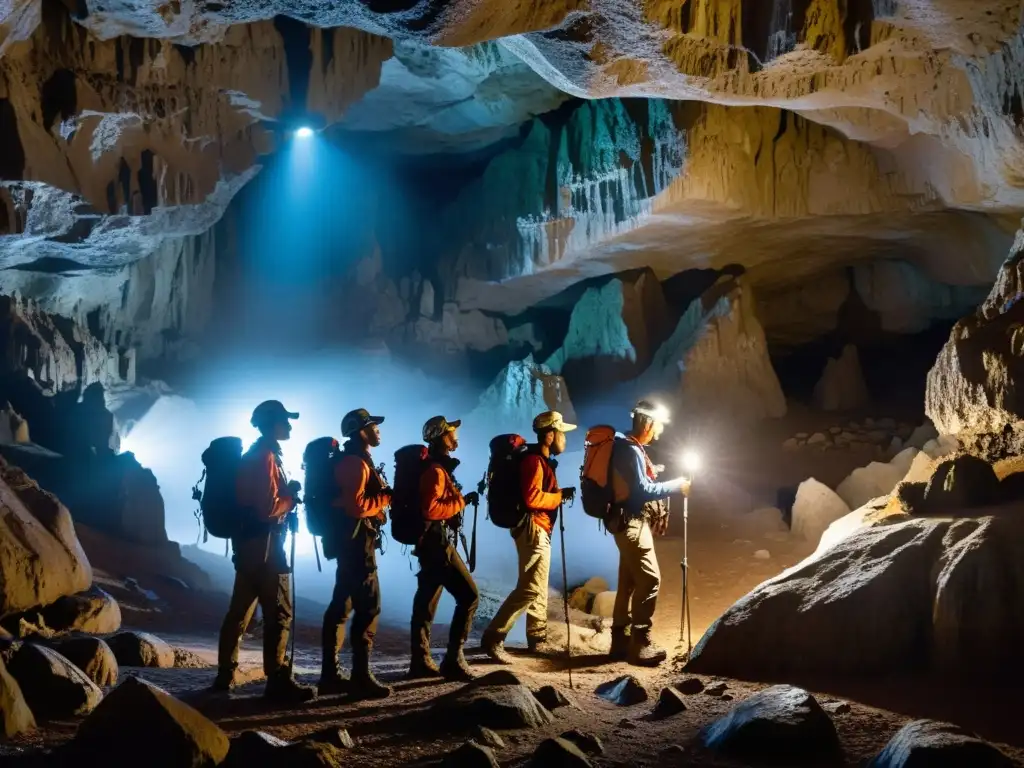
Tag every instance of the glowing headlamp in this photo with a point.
(657, 413)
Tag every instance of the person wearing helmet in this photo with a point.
(441, 567)
(262, 573)
(638, 514)
(541, 496)
(362, 499)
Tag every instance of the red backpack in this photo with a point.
(596, 473)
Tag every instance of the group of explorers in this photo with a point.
(248, 499)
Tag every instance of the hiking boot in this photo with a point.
(284, 689)
(539, 646)
(423, 668)
(365, 686)
(619, 650)
(224, 681)
(333, 683)
(494, 646)
(455, 668)
(642, 652)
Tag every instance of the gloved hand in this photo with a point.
(658, 468)
(472, 499)
(568, 494)
(292, 521)
(684, 487)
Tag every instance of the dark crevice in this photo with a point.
(327, 38)
(111, 198)
(147, 182)
(136, 55)
(124, 176)
(187, 53)
(51, 265)
(757, 21)
(857, 24)
(59, 97)
(295, 36)
(12, 156)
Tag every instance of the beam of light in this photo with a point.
(305, 132)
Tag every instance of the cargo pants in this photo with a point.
(639, 576)
(441, 567)
(533, 545)
(356, 593)
(262, 576)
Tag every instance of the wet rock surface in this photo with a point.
(624, 691)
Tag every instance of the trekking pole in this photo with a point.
(476, 508)
(316, 551)
(565, 594)
(294, 522)
(684, 608)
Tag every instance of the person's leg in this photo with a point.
(332, 680)
(459, 583)
(366, 605)
(621, 614)
(424, 606)
(237, 618)
(647, 580)
(519, 599)
(539, 571)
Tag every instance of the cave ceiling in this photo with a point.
(813, 133)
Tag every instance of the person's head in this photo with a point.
(440, 435)
(359, 425)
(272, 419)
(649, 421)
(550, 429)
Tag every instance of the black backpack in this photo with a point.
(223, 517)
(407, 523)
(505, 505)
(318, 462)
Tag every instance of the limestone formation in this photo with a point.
(960, 484)
(866, 483)
(53, 687)
(16, 717)
(92, 656)
(886, 597)
(92, 612)
(841, 386)
(40, 557)
(816, 507)
(518, 393)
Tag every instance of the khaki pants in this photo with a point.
(639, 577)
(533, 544)
(261, 575)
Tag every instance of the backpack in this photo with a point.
(596, 489)
(223, 517)
(318, 461)
(505, 505)
(407, 523)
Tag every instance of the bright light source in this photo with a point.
(304, 132)
(657, 413)
(691, 461)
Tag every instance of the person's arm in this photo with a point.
(531, 479)
(641, 488)
(435, 503)
(352, 475)
(261, 489)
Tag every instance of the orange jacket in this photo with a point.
(357, 496)
(262, 485)
(540, 490)
(439, 498)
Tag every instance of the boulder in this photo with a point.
(964, 482)
(690, 686)
(92, 656)
(928, 744)
(93, 612)
(595, 585)
(624, 691)
(841, 386)
(15, 715)
(559, 753)
(254, 748)
(815, 508)
(889, 597)
(141, 649)
(54, 687)
(551, 697)
(781, 723)
(471, 755)
(670, 702)
(520, 391)
(41, 560)
(310, 754)
(339, 737)
(587, 742)
(603, 605)
(867, 483)
(183, 735)
(496, 700)
(488, 738)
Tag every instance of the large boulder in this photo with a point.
(963, 482)
(496, 700)
(15, 715)
(40, 557)
(141, 649)
(138, 718)
(929, 744)
(841, 386)
(781, 723)
(889, 597)
(870, 482)
(816, 507)
(92, 656)
(520, 391)
(53, 687)
(93, 612)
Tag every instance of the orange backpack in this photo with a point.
(596, 474)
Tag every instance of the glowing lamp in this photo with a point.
(691, 462)
(304, 132)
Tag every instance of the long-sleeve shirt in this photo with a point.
(541, 493)
(361, 492)
(262, 485)
(633, 477)
(439, 498)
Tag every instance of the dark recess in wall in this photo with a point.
(147, 182)
(58, 97)
(12, 158)
(295, 36)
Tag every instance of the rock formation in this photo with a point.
(519, 392)
(841, 386)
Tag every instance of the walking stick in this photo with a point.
(294, 523)
(565, 594)
(684, 608)
(480, 488)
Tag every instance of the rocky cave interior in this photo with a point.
(797, 223)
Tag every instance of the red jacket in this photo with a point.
(359, 494)
(540, 489)
(262, 485)
(439, 498)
